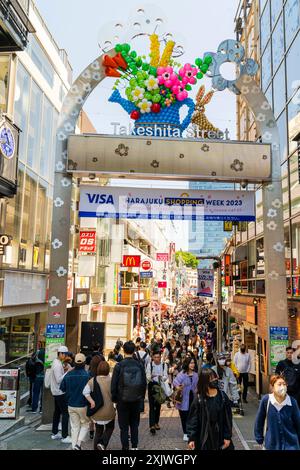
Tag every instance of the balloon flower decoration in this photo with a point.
(155, 88)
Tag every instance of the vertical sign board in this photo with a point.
(162, 284)
(205, 283)
(9, 393)
(87, 243)
(55, 337)
(227, 271)
(279, 340)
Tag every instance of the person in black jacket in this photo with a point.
(291, 374)
(209, 424)
(128, 388)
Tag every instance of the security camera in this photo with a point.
(244, 184)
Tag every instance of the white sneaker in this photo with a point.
(67, 440)
(185, 438)
(134, 448)
(56, 436)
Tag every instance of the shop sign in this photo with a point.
(146, 275)
(227, 271)
(146, 265)
(87, 242)
(164, 257)
(279, 340)
(4, 241)
(131, 261)
(55, 337)
(153, 204)
(162, 285)
(206, 279)
(9, 387)
(225, 296)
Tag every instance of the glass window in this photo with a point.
(296, 245)
(265, 26)
(260, 257)
(41, 60)
(4, 81)
(46, 139)
(28, 221)
(262, 5)
(269, 95)
(292, 67)
(279, 90)
(266, 67)
(285, 190)
(259, 211)
(276, 7)
(278, 44)
(40, 226)
(52, 161)
(34, 130)
(295, 186)
(293, 111)
(292, 19)
(287, 247)
(22, 108)
(282, 127)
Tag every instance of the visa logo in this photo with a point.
(100, 198)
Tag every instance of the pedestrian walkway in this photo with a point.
(168, 438)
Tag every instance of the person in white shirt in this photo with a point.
(60, 402)
(157, 372)
(242, 362)
(186, 332)
(142, 355)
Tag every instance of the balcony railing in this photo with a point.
(14, 25)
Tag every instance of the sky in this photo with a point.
(199, 25)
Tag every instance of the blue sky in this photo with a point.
(200, 25)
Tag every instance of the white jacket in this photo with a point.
(57, 374)
(228, 383)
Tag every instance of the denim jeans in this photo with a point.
(37, 392)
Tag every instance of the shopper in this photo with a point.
(39, 374)
(72, 385)
(242, 362)
(227, 380)
(291, 373)
(128, 388)
(30, 374)
(60, 403)
(277, 424)
(186, 332)
(157, 374)
(209, 424)
(142, 355)
(210, 362)
(187, 380)
(104, 417)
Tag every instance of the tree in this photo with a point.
(188, 259)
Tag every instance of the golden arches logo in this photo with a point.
(185, 195)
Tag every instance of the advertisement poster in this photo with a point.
(87, 242)
(205, 283)
(9, 384)
(55, 337)
(164, 257)
(279, 340)
(166, 204)
(225, 295)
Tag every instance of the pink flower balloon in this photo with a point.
(188, 73)
(167, 77)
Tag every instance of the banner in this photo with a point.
(279, 340)
(55, 337)
(166, 204)
(205, 283)
(87, 243)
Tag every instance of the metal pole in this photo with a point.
(138, 313)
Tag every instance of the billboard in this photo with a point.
(166, 204)
(205, 283)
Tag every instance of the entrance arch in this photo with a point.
(63, 211)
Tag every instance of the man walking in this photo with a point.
(128, 388)
(60, 403)
(157, 372)
(186, 332)
(242, 362)
(291, 374)
(72, 385)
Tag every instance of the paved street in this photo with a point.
(168, 438)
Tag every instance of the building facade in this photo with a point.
(270, 33)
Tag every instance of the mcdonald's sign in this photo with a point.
(130, 261)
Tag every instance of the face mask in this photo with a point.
(281, 390)
(214, 384)
(221, 362)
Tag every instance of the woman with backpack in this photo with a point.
(104, 417)
(209, 424)
(278, 419)
(186, 381)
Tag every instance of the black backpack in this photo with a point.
(142, 360)
(131, 384)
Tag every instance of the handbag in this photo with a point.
(167, 389)
(158, 394)
(178, 396)
(97, 396)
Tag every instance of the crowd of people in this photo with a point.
(174, 362)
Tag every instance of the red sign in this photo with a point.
(162, 285)
(130, 261)
(87, 241)
(227, 270)
(162, 257)
(146, 265)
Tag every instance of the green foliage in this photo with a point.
(188, 259)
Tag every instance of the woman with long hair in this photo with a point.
(186, 381)
(209, 423)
